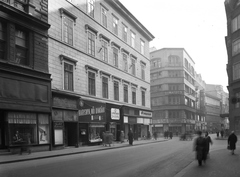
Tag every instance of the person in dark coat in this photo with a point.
(232, 140)
(130, 137)
(209, 141)
(200, 147)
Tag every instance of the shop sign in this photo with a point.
(115, 113)
(91, 111)
(58, 124)
(145, 113)
(64, 102)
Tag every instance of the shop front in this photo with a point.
(92, 122)
(114, 121)
(64, 120)
(138, 120)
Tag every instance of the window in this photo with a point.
(236, 71)
(68, 76)
(91, 83)
(21, 44)
(236, 23)
(133, 36)
(125, 93)
(104, 17)
(142, 47)
(91, 43)
(124, 33)
(143, 67)
(116, 90)
(68, 30)
(125, 62)
(133, 95)
(115, 57)
(105, 87)
(90, 8)
(115, 25)
(236, 47)
(133, 66)
(104, 50)
(3, 41)
(143, 98)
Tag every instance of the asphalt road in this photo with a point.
(164, 159)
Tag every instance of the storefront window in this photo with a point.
(22, 128)
(58, 133)
(95, 132)
(43, 128)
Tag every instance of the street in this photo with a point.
(165, 159)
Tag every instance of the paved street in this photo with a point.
(172, 158)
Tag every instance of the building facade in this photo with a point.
(173, 94)
(100, 70)
(25, 83)
(232, 8)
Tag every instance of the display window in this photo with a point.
(95, 132)
(22, 128)
(58, 133)
(43, 128)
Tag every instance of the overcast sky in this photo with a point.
(198, 26)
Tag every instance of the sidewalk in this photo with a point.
(220, 164)
(11, 158)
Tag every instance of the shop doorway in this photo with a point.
(70, 133)
(2, 131)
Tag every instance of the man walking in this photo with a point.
(130, 137)
(200, 147)
(208, 142)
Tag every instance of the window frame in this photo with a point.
(3, 40)
(143, 71)
(125, 62)
(125, 93)
(133, 66)
(66, 34)
(115, 56)
(91, 50)
(91, 8)
(134, 95)
(104, 17)
(115, 22)
(105, 54)
(92, 89)
(116, 90)
(105, 93)
(124, 32)
(142, 47)
(133, 39)
(143, 95)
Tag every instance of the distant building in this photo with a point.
(173, 91)
(232, 39)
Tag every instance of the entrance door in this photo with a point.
(70, 133)
(2, 130)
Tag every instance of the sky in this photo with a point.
(199, 27)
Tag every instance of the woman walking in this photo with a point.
(232, 139)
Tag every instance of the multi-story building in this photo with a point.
(233, 66)
(200, 103)
(173, 94)
(100, 70)
(213, 102)
(25, 84)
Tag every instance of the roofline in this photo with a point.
(173, 49)
(119, 5)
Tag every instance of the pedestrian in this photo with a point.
(221, 133)
(149, 135)
(199, 146)
(130, 137)
(232, 140)
(122, 136)
(208, 142)
(167, 134)
(155, 135)
(217, 134)
(170, 135)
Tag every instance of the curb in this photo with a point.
(79, 152)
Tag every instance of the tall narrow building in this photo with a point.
(100, 70)
(173, 94)
(232, 39)
(25, 83)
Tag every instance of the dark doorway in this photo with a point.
(2, 131)
(83, 130)
(70, 133)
